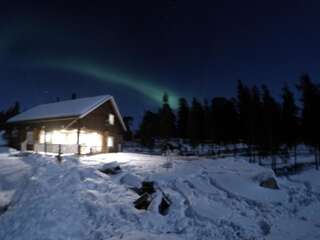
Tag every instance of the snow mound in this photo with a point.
(131, 180)
(264, 175)
(5, 198)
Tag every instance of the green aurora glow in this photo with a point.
(101, 73)
(10, 38)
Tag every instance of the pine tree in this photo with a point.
(195, 124)
(289, 121)
(207, 121)
(183, 115)
(12, 111)
(289, 118)
(224, 124)
(256, 135)
(244, 101)
(128, 123)
(271, 124)
(217, 116)
(167, 127)
(2, 120)
(310, 114)
(148, 129)
(231, 122)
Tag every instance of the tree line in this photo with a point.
(254, 117)
(10, 112)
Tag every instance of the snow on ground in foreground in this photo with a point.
(211, 199)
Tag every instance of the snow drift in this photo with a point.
(210, 199)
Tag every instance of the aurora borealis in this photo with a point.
(151, 90)
(137, 50)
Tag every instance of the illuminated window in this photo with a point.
(111, 119)
(58, 137)
(110, 142)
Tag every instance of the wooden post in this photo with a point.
(59, 158)
(104, 142)
(78, 141)
(45, 140)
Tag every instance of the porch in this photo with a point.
(64, 141)
(66, 148)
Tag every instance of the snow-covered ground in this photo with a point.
(210, 199)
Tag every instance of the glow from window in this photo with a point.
(111, 119)
(110, 142)
(59, 137)
(90, 139)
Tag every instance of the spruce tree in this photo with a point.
(183, 115)
(256, 134)
(270, 124)
(195, 123)
(289, 121)
(224, 125)
(148, 129)
(128, 123)
(12, 111)
(207, 121)
(244, 99)
(310, 114)
(289, 118)
(167, 127)
(244, 110)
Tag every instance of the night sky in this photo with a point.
(136, 50)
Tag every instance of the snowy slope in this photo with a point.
(211, 199)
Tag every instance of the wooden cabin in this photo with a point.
(78, 126)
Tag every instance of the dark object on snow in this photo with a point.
(265, 227)
(269, 183)
(146, 192)
(136, 190)
(147, 187)
(164, 205)
(143, 202)
(111, 171)
(3, 209)
(59, 158)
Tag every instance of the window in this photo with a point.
(111, 119)
(110, 142)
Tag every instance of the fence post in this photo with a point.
(59, 158)
(78, 141)
(45, 140)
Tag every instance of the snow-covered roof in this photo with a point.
(75, 108)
